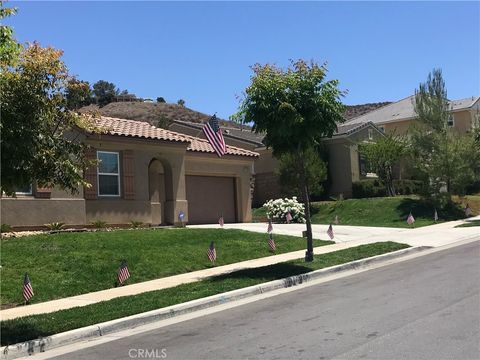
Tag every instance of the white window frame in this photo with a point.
(29, 193)
(370, 134)
(111, 174)
(451, 119)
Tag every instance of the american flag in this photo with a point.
(211, 253)
(270, 226)
(435, 215)
(330, 232)
(468, 211)
(410, 219)
(271, 243)
(214, 136)
(288, 217)
(27, 288)
(221, 221)
(123, 273)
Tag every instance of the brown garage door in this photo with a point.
(209, 197)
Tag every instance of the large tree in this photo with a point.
(78, 94)
(382, 155)
(295, 108)
(104, 92)
(39, 134)
(444, 160)
(9, 47)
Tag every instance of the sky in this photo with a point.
(202, 51)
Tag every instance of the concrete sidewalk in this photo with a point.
(345, 236)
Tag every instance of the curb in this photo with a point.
(41, 345)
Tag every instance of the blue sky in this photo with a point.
(201, 51)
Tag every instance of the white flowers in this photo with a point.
(279, 208)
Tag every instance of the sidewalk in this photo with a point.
(345, 236)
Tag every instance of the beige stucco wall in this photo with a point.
(340, 167)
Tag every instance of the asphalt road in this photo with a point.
(425, 308)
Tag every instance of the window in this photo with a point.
(108, 173)
(24, 190)
(382, 129)
(451, 121)
(370, 134)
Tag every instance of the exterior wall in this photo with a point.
(238, 168)
(400, 127)
(463, 121)
(267, 186)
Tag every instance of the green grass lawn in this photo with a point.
(32, 327)
(389, 212)
(469, 224)
(67, 264)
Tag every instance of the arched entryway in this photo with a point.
(160, 189)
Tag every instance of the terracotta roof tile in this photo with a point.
(139, 129)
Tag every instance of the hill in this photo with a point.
(354, 111)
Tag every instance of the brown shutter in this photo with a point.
(128, 175)
(91, 176)
(43, 193)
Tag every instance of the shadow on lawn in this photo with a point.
(425, 209)
(14, 332)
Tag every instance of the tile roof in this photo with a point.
(404, 110)
(140, 129)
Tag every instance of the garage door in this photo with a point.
(209, 197)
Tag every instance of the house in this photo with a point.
(399, 116)
(145, 174)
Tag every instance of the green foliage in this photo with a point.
(9, 47)
(78, 94)
(181, 102)
(135, 224)
(99, 224)
(446, 162)
(382, 155)
(55, 225)
(369, 188)
(5, 228)
(160, 99)
(104, 92)
(35, 124)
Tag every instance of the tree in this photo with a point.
(382, 155)
(181, 102)
(78, 94)
(295, 108)
(9, 47)
(104, 92)
(160, 99)
(445, 161)
(39, 133)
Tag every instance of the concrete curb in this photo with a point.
(41, 345)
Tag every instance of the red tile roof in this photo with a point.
(140, 129)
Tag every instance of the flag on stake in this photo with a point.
(271, 243)
(468, 211)
(336, 221)
(221, 221)
(27, 288)
(270, 226)
(410, 219)
(288, 217)
(214, 136)
(123, 273)
(435, 215)
(330, 232)
(211, 253)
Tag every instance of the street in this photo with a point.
(425, 308)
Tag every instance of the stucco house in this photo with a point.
(145, 174)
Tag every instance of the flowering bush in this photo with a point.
(279, 208)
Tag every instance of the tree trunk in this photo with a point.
(306, 200)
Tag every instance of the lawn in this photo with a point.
(386, 211)
(469, 224)
(32, 327)
(68, 264)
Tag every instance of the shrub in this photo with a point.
(99, 224)
(55, 226)
(374, 188)
(135, 224)
(5, 228)
(278, 209)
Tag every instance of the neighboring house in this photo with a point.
(399, 116)
(145, 174)
(344, 165)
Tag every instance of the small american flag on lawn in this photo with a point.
(270, 226)
(214, 136)
(330, 232)
(221, 221)
(123, 273)
(468, 211)
(271, 243)
(27, 288)
(410, 219)
(211, 253)
(435, 215)
(288, 217)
